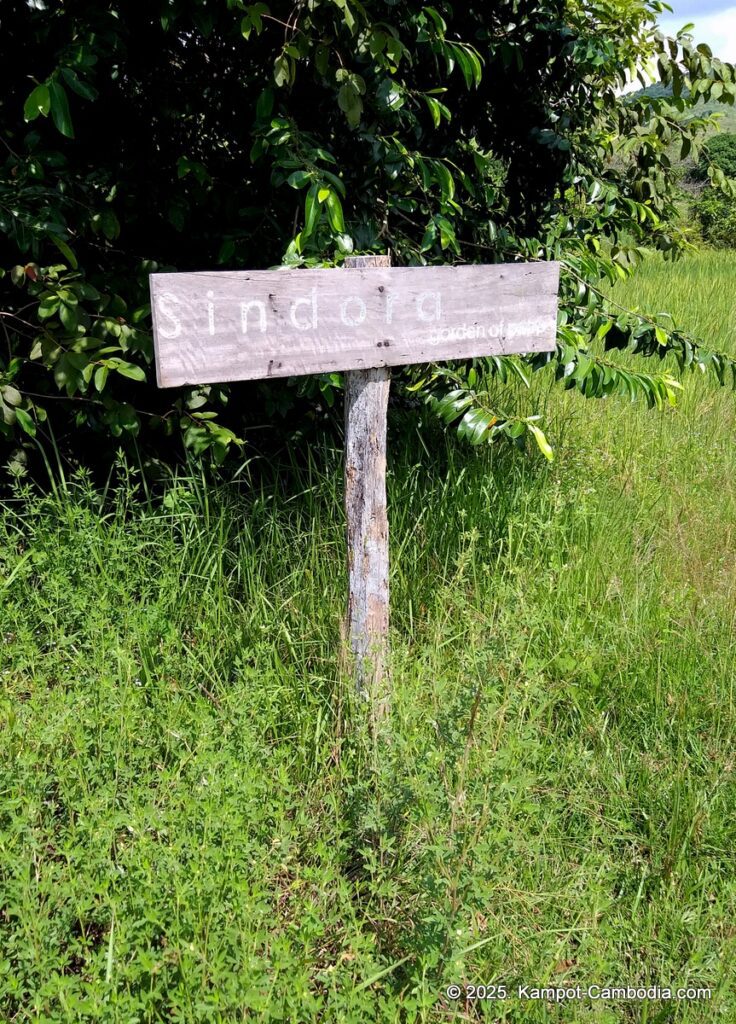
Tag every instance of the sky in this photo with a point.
(715, 23)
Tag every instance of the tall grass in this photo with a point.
(191, 827)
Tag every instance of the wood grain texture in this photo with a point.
(240, 325)
(366, 406)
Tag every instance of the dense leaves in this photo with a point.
(720, 151)
(714, 210)
(193, 133)
(716, 215)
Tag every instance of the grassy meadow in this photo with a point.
(193, 824)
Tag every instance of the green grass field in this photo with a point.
(193, 826)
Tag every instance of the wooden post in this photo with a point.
(213, 327)
(366, 408)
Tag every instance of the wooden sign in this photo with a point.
(240, 325)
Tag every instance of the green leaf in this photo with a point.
(311, 210)
(395, 51)
(448, 239)
(26, 422)
(299, 179)
(111, 225)
(48, 307)
(68, 371)
(453, 404)
(390, 94)
(465, 66)
(282, 70)
(468, 61)
(68, 317)
(348, 15)
(542, 442)
(336, 182)
(39, 102)
(335, 214)
(377, 42)
(75, 83)
(65, 251)
(264, 106)
(349, 101)
(60, 108)
(437, 110)
(445, 180)
(322, 60)
(475, 426)
(101, 377)
(434, 109)
(131, 371)
(11, 396)
(430, 236)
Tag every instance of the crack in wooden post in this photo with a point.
(366, 410)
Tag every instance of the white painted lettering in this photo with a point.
(431, 315)
(163, 307)
(353, 321)
(245, 308)
(390, 308)
(297, 304)
(211, 313)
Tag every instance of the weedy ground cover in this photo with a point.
(192, 827)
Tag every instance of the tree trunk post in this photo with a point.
(366, 408)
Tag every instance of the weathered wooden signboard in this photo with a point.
(241, 325)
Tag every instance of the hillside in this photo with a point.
(726, 113)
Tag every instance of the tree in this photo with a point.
(194, 133)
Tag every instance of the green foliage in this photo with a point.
(715, 211)
(188, 831)
(716, 216)
(192, 133)
(720, 151)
